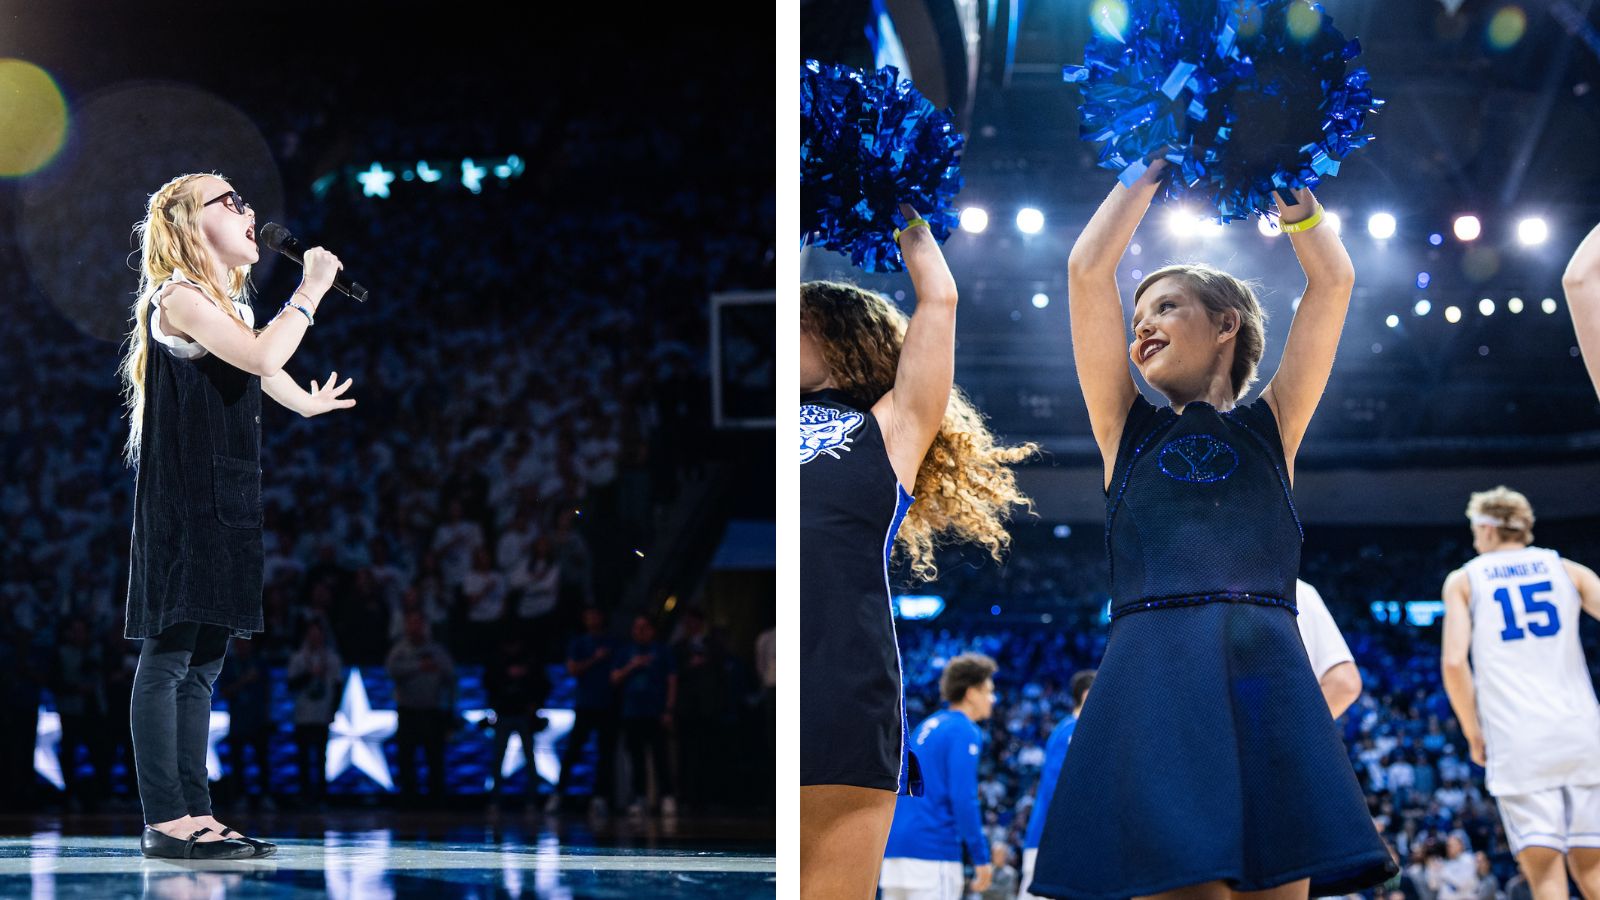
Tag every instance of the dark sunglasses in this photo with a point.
(231, 200)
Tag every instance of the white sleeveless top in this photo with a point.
(179, 347)
(1540, 719)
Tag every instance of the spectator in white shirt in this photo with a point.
(455, 542)
(1456, 877)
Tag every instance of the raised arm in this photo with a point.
(1457, 672)
(1099, 334)
(1297, 387)
(910, 413)
(1582, 284)
(260, 353)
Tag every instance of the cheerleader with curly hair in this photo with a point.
(892, 457)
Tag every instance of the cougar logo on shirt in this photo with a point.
(1198, 459)
(824, 429)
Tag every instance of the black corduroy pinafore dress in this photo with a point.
(197, 552)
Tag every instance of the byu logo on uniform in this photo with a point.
(824, 429)
(1198, 459)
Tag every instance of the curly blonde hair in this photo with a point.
(965, 489)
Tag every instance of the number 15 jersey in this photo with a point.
(1536, 702)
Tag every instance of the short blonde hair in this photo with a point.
(1510, 509)
(1219, 292)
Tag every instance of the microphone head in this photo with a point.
(275, 236)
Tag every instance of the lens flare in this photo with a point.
(1304, 21)
(1507, 27)
(33, 118)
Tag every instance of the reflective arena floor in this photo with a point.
(377, 855)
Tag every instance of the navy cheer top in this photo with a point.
(852, 718)
(1178, 476)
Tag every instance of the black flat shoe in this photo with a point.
(263, 848)
(155, 844)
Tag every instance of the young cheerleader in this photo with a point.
(878, 413)
(1208, 764)
(194, 407)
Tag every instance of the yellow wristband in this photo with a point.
(918, 222)
(1306, 224)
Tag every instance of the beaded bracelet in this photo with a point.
(918, 222)
(287, 304)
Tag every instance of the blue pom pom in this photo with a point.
(1241, 97)
(868, 143)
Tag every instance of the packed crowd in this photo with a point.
(1405, 745)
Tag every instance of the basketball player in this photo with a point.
(929, 833)
(1055, 753)
(1526, 703)
(1330, 656)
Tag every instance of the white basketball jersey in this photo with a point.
(1536, 703)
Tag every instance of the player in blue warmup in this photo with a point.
(1055, 753)
(1526, 702)
(930, 833)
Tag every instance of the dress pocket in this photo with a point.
(237, 487)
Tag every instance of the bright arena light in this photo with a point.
(974, 220)
(1041, 300)
(1467, 228)
(1514, 304)
(1334, 222)
(1109, 18)
(1381, 226)
(1532, 230)
(1393, 321)
(1548, 304)
(1486, 306)
(1452, 314)
(1211, 227)
(1422, 308)
(1268, 226)
(1182, 223)
(1030, 220)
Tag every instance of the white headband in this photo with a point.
(1496, 521)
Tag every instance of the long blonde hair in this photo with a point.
(965, 489)
(169, 240)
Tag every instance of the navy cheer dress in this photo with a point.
(1206, 751)
(852, 711)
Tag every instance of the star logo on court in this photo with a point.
(546, 760)
(217, 731)
(357, 734)
(46, 748)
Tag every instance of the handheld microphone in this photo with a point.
(276, 237)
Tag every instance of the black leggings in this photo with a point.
(171, 718)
